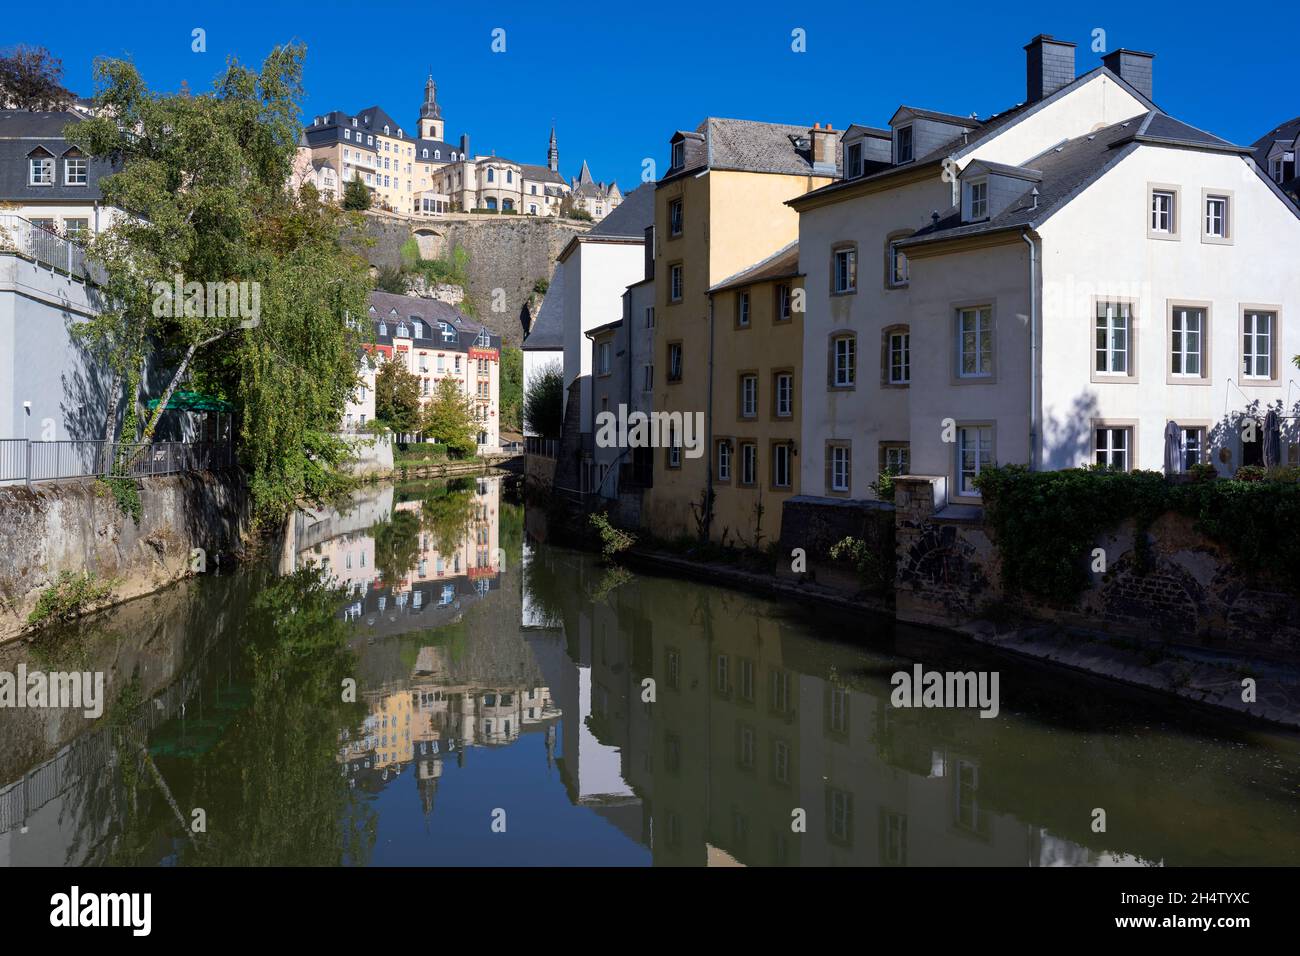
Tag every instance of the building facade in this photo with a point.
(433, 340)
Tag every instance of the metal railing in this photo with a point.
(546, 447)
(33, 461)
(44, 247)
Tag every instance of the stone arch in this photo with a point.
(429, 240)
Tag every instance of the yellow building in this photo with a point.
(757, 374)
(720, 209)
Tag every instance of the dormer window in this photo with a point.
(383, 327)
(75, 167)
(448, 333)
(483, 340)
(354, 121)
(386, 133)
(853, 160)
(40, 170)
(679, 155)
(903, 144)
(419, 327)
(403, 332)
(979, 200)
(347, 134)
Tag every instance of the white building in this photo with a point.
(1051, 286)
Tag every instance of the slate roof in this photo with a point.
(541, 174)
(328, 132)
(547, 333)
(629, 219)
(1069, 168)
(22, 132)
(982, 131)
(750, 146)
(782, 264)
(431, 313)
(1285, 132)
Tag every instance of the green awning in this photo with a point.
(194, 402)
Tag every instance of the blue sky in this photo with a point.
(618, 78)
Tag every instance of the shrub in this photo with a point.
(612, 540)
(67, 597)
(883, 486)
(875, 571)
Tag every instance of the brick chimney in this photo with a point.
(1133, 67)
(1049, 66)
(823, 140)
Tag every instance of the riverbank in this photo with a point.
(480, 465)
(1187, 673)
(67, 545)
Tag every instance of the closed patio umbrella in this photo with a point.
(1173, 449)
(1272, 440)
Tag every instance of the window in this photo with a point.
(1112, 447)
(1193, 446)
(783, 394)
(742, 310)
(1258, 340)
(853, 160)
(76, 229)
(383, 327)
(1163, 222)
(724, 459)
(897, 266)
(783, 303)
(41, 171)
(896, 457)
(974, 454)
(839, 816)
(781, 465)
(844, 270)
(838, 467)
(979, 200)
(674, 361)
(448, 332)
(679, 155)
(1113, 331)
(844, 361)
(650, 317)
(491, 175)
(674, 447)
(675, 217)
(75, 171)
(675, 282)
(903, 144)
(975, 342)
(900, 357)
(510, 175)
(1216, 217)
(603, 358)
(1187, 342)
(748, 395)
(649, 378)
(748, 463)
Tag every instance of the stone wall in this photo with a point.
(509, 253)
(1192, 593)
(77, 526)
(817, 524)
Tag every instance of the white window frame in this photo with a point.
(780, 455)
(724, 460)
(899, 158)
(1110, 317)
(675, 282)
(748, 463)
(1216, 220)
(749, 395)
(742, 309)
(675, 350)
(676, 216)
(840, 463)
(899, 351)
(1179, 332)
(844, 277)
(979, 200)
(43, 163)
(984, 344)
(982, 435)
(1106, 447)
(1252, 350)
(784, 394)
(82, 165)
(898, 277)
(844, 373)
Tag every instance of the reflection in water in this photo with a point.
(496, 673)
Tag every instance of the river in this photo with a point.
(419, 678)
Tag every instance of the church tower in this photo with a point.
(431, 126)
(553, 154)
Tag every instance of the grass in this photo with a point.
(68, 597)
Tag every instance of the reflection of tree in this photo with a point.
(447, 513)
(270, 785)
(397, 545)
(547, 585)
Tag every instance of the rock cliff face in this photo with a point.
(507, 256)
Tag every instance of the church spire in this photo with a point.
(553, 153)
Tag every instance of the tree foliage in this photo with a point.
(449, 418)
(397, 397)
(203, 178)
(544, 401)
(356, 197)
(31, 79)
(512, 387)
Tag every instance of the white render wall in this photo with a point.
(595, 277)
(1098, 245)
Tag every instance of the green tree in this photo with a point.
(544, 401)
(203, 177)
(397, 397)
(449, 418)
(30, 79)
(390, 280)
(356, 197)
(512, 387)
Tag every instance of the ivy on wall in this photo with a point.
(1046, 523)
